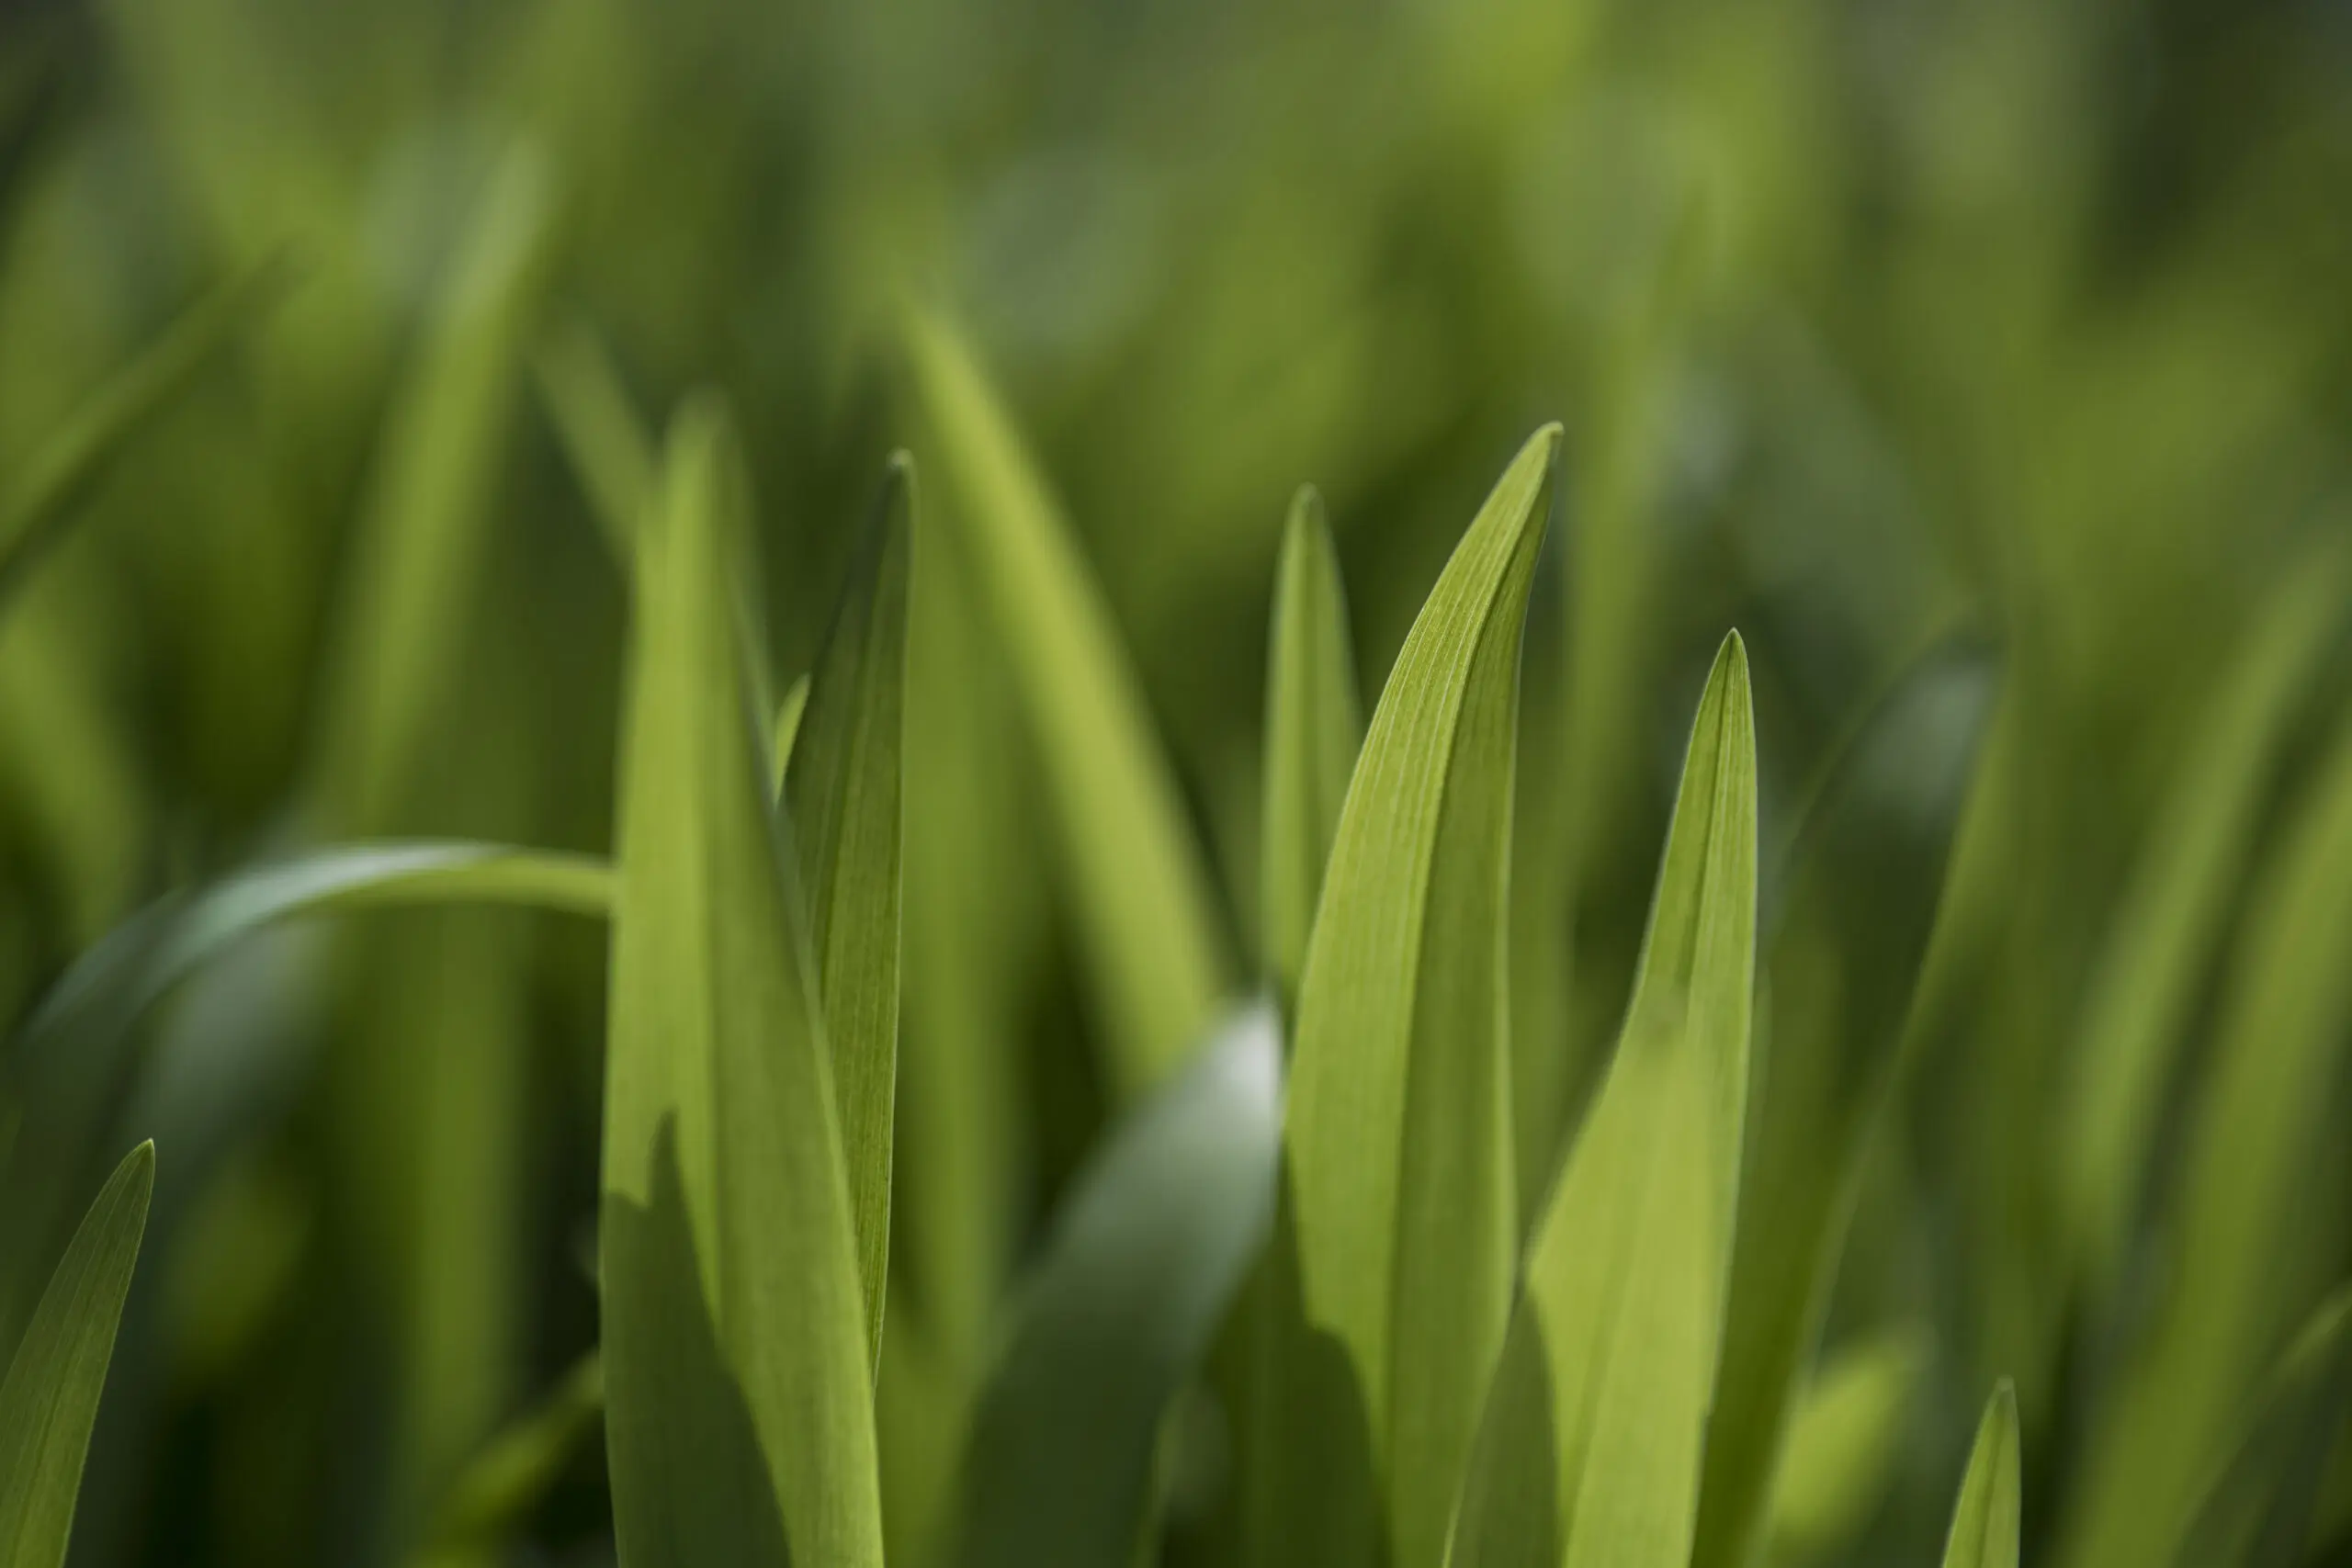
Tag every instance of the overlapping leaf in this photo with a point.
(738, 1414)
(1120, 1312)
(1400, 1177)
(1145, 914)
(1314, 725)
(1590, 1449)
(842, 791)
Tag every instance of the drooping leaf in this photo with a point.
(1984, 1520)
(842, 791)
(1145, 914)
(739, 1413)
(1144, 1261)
(2257, 1511)
(50, 1401)
(37, 504)
(1842, 1441)
(2159, 953)
(1845, 958)
(68, 1064)
(1590, 1449)
(2259, 1122)
(1397, 1134)
(1314, 725)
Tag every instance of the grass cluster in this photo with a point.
(703, 860)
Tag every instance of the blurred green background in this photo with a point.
(1864, 319)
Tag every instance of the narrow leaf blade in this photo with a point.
(1985, 1521)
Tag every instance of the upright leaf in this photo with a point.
(1143, 1262)
(740, 1420)
(51, 1398)
(1145, 913)
(2259, 1122)
(1399, 1129)
(2158, 956)
(1844, 960)
(601, 435)
(1984, 1520)
(1590, 1449)
(1844, 1436)
(841, 792)
(1314, 724)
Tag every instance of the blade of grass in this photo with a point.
(1144, 912)
(510, 1476)
(1984, 1520)
(2259, 1122)
(2159, 954)
(1314, 727)
(39, 504)
(601, 434)
(1590, 1447)
(1398, 1130)
(1845, 961)
(50, 1401)
(1144, 1259)
(841, 792)
(738, 1415)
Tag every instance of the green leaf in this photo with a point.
(1145, 913)
(2259, 1123)
(738, 1414)
(510, 1476)
(1399, 1131)
(788, 715)
(1590, 1449)
(1844, 957)
(2258, 1512)
(1314, 726)
(51, 1398)
(1842, 1442)
(1984, 1520)
(601, 434)
(66, 1066)
(1144, 1259)
(2160, 952)
(841, 792)
(38, 504)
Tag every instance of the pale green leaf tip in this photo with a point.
(1307, 510)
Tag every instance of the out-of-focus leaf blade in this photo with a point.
(2260, 1117)
(51, 1398)
(1844, 961)
(843, 791)
(601, 434)
(738, 1414)
(37, 504)
(1314, 726)
(1842, 1440)
(1984, 1520)
(2159, 954)
(1397, 1135)
(1119, 1313)
(68, 1063)
(1590, 1447)
(1145, 913)
(2258, 1512)
(510, 1476)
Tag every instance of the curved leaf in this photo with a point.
(1144, 1259)
(739, 1413)
(842, 791)
(1590, 1449)
(1842, 1441)
(1985, 1521)
(1844, 959)
(1146, 915)
(1314, 726)
(50, 1401)
(1398, 1130)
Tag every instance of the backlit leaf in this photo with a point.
(1984, 1520)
